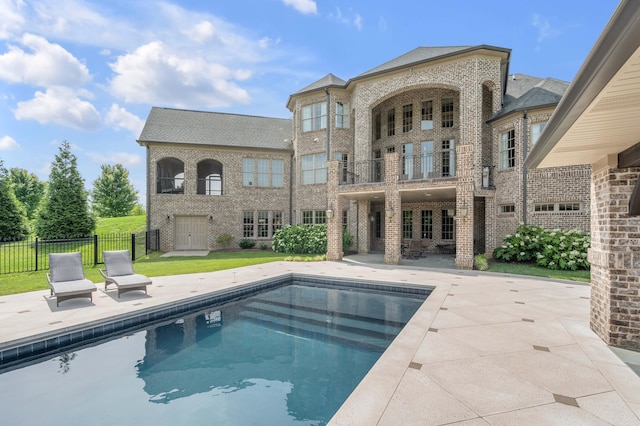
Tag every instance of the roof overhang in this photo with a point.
(599, 115)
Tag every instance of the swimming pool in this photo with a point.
(288, 355)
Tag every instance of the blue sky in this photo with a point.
(89, 71)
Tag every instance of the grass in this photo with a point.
(538, 271)
(121, 225)
(152, 266)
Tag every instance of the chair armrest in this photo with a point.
(49, 278)
(103, 273)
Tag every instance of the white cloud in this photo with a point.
(11, 20)
(120, 118)
(201, 32)
(358, 22)
(123, 158)
(544, 28)
(61, 106)
(303, 6)
(154, 74)
(48, 65)
(338, 16)
(7, 143)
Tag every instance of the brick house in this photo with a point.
(430, 145)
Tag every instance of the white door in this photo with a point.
(190, 233)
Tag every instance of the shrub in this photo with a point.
(480, 262)
(247, 243)
(306, 239)
(553, 249)
(263, 246)
(224, 240)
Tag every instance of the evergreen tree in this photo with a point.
(28, 188)
(64, 211)
(113, 195)
(13, 219)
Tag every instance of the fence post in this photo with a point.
(37, 256)
(133, 247)
(95, 249)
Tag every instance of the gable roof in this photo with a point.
(526, 92)
(326, 81)
(168, 125)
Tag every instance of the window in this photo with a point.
(276, 222)
(427, 115)
(209, 177)
(547, 207)
(377, 126)
(447, 112)
(247, 224)
(378, 224)
(170, 176)
(377, 165)
(247, 172)
(427, 224)
(508, 150)
(407, 224)
(345, 219)
(568, 207)
(391, 149)
(314, 169)
(448, 158)
(263, 224)
(342, 115)
(509, 208)
(314, 117)
(426, 159)
(447, 225)
(391, 122)
(344, 164)
(536, 129)
(407, 118)
(407, 160)
(277, 173)
(314, 217)
(262, 172)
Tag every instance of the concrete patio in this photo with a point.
(484, 349)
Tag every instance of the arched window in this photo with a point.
(170, 176)
(210, 177)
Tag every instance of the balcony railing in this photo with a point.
(358, 172)
(169, 185)
(427, 166)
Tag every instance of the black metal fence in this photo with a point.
(32, 254)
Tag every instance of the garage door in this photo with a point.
(190, 233)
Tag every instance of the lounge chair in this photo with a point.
(119, 271)
(66, 277)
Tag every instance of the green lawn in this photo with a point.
(121, 225)
(152, 266)
(537, 271)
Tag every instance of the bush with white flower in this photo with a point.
(306, 239)
(553, 249)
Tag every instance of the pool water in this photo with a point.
(287, 356)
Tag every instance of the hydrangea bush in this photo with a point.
(305, 239)
(553, 249)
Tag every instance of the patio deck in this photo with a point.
(483, 349)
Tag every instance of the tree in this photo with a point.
(64, 211)
(13, 219)
(28, 188)
(113, 195)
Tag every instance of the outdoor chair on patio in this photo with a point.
(119, 271)
(414, 250)
(66, 277)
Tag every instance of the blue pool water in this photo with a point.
(286, 356)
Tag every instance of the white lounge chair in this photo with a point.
(119, 271)
(66, 277)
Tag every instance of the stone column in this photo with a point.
(334, 204)
(364, 240)
(614, 255)
(393, 210)
(464, 206)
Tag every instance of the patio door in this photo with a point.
(190, 233)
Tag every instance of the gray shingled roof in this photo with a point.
(326, 81)
(526, 92)
(419, 54)
(167, 125)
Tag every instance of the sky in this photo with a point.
(88, 72)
